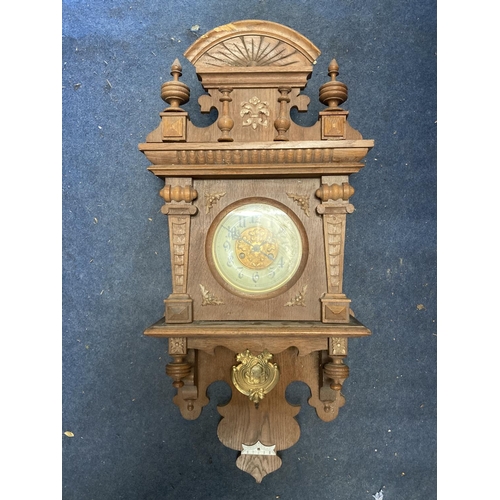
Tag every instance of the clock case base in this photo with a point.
(311, 352)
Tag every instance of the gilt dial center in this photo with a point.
(256, 247)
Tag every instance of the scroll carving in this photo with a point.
(212, 199)
(301, 200)
(208, 298)
(253, 73)
(272, 424)
(299, 299)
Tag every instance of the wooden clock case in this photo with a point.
(253, 73)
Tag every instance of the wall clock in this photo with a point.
(257, 208)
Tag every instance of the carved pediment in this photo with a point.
(252, 43)
(255, 53)
(253, 72)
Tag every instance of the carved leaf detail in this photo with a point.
(212, 199)
(301, 200)
(209, 299)
(299, 299)
(255, 112)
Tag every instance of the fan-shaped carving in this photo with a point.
(246, 33)
(256, 50)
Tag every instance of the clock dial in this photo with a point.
(257, 248)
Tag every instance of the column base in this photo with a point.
(179, 309)
(335, 308)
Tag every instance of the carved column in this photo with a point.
(335, 306)
(282, 123)
(178, 207)
(225, 122)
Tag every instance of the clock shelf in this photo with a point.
(257, 207)
(232, 329)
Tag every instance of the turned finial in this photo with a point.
(175, 92)
(333, 69)
(333, 93)
(176, 69)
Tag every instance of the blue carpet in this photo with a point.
(130, 441)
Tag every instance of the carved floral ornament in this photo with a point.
(177, 345)
(255, 113)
